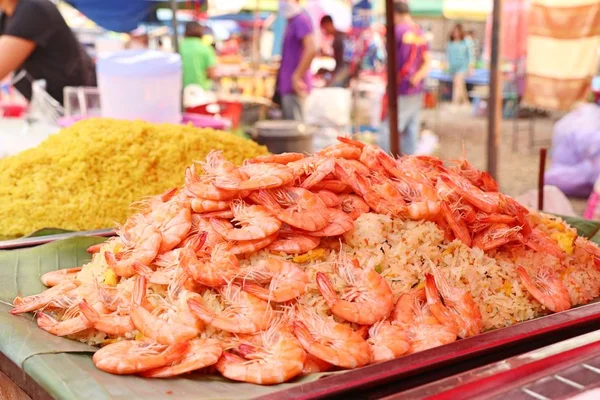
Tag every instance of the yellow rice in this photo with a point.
(86, 176)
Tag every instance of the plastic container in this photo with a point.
(141, 84)
(284, 136)
(205, 121)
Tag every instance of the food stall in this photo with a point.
(257, 275)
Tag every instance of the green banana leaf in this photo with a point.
(64, 367)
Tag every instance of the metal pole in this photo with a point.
(175, 24)
(495, 98)
(395, 145)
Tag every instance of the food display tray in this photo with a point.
(580, 319)
(558, 371)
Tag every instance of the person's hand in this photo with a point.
(415, 80)
(299, 86)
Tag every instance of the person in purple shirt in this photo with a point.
(413, 62)
(294, 80)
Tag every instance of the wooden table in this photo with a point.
(10, 391)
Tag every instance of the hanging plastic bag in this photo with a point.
(575, 162)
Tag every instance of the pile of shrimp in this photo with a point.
(178, 294)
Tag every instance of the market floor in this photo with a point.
(517, 169)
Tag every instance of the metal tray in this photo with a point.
(443, 356)
(559, 371)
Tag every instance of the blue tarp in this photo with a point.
(115, 15)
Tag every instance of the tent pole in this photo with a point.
(495, 98)
(395, 145)
(175, 25)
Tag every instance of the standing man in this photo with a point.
(299, 49)
(413, 61)
(198, 58)
(340, 77)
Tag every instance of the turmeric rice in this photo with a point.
(86, 176)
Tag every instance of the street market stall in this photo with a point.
(256, 275)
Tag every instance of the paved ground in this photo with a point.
(518, 170)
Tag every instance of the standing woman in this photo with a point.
(35, 38)
(459, 61)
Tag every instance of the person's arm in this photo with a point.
(14, 52)
(423, 70)
(210, 64)
(308, 54)
(471, 55)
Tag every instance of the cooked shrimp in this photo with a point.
(132, 357)
(294, 243)
(334, 343)
(254, 222)
(215, 164)
(330, 199)
(47, 297)
(354, 205)
(251, 246)
(354, 165)
(218, 269)
(111, 324)
(296, 207)
(341, 150)
(95, 248)
(54, 278)
(333, 185)
(482, 180)
(204, 205)
(456, 224)
(260, 176)
(314, 365)
(338, 223)
(173, 221)
(162, 276)
(375, 190)
(245, 313)
(315, 168)
(201, 226)
(142, 242)
(66, 327)
(424, 330)
(370, 154)
(202, 353)
(541, 242)
(458, 309)
(484, 201)
(366, 299)
(172, 326)
(287, 280)
(282, 158)
(546, 288)
(497, 235)
(270, 357)
(387, 341)
(204, 187)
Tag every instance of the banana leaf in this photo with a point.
(64, 367)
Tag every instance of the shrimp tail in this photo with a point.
(168, 195)
(303, 334)
(326, 288)
(200, 310)
(198, 241)
(95, 248)
(245, 350)
(142, 269)
(88, 312)
(257, 290)
(177, 351)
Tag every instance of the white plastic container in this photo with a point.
(141, 84)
